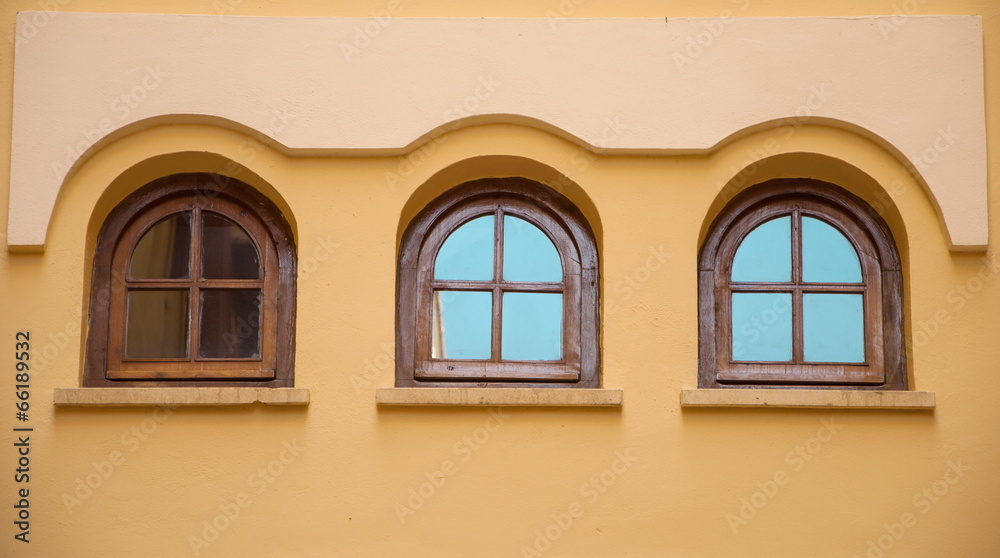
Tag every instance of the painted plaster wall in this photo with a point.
(160, 474)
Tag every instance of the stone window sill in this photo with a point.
(808, 398)
(182, 396)
(521, 397)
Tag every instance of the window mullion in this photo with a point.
(194, 304)
(798, 335)
(496, 329)
(498, 246)
(796, 247)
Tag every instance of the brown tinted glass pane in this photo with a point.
(227, 251)
(163, 251)
(230, 323)
(156, 324)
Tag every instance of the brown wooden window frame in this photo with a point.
(573, 239)
(198, 193)
(885, 366)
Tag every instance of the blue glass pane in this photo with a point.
(462, 324)
(827, 255)
(532, 326)
(467, 254)
(833, 327)
(762, 326)
(766, 253)
(528, 254)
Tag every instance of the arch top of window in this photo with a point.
(822, 201)
(223, 248)
(533, 202)
(797, 247)
(499, 246)
(198, 189)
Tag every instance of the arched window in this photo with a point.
(800, 285)
(497, 285)
(194, 284)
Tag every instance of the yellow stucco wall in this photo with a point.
(648, 479)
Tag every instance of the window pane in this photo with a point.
(827, 255)
(528, 254)
(230, 323)
(163, 252)
(766, 253)
(762, 326)
(532, 326)
(156, 324)
(467, 254)
(833, 327)
(462, 324)
(227, 251)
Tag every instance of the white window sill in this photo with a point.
(180, 396)
(807, 398)
(522, 397)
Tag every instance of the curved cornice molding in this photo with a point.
(327, 86)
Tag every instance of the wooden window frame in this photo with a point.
(885, 358)
(105, 365)
(573, 239)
